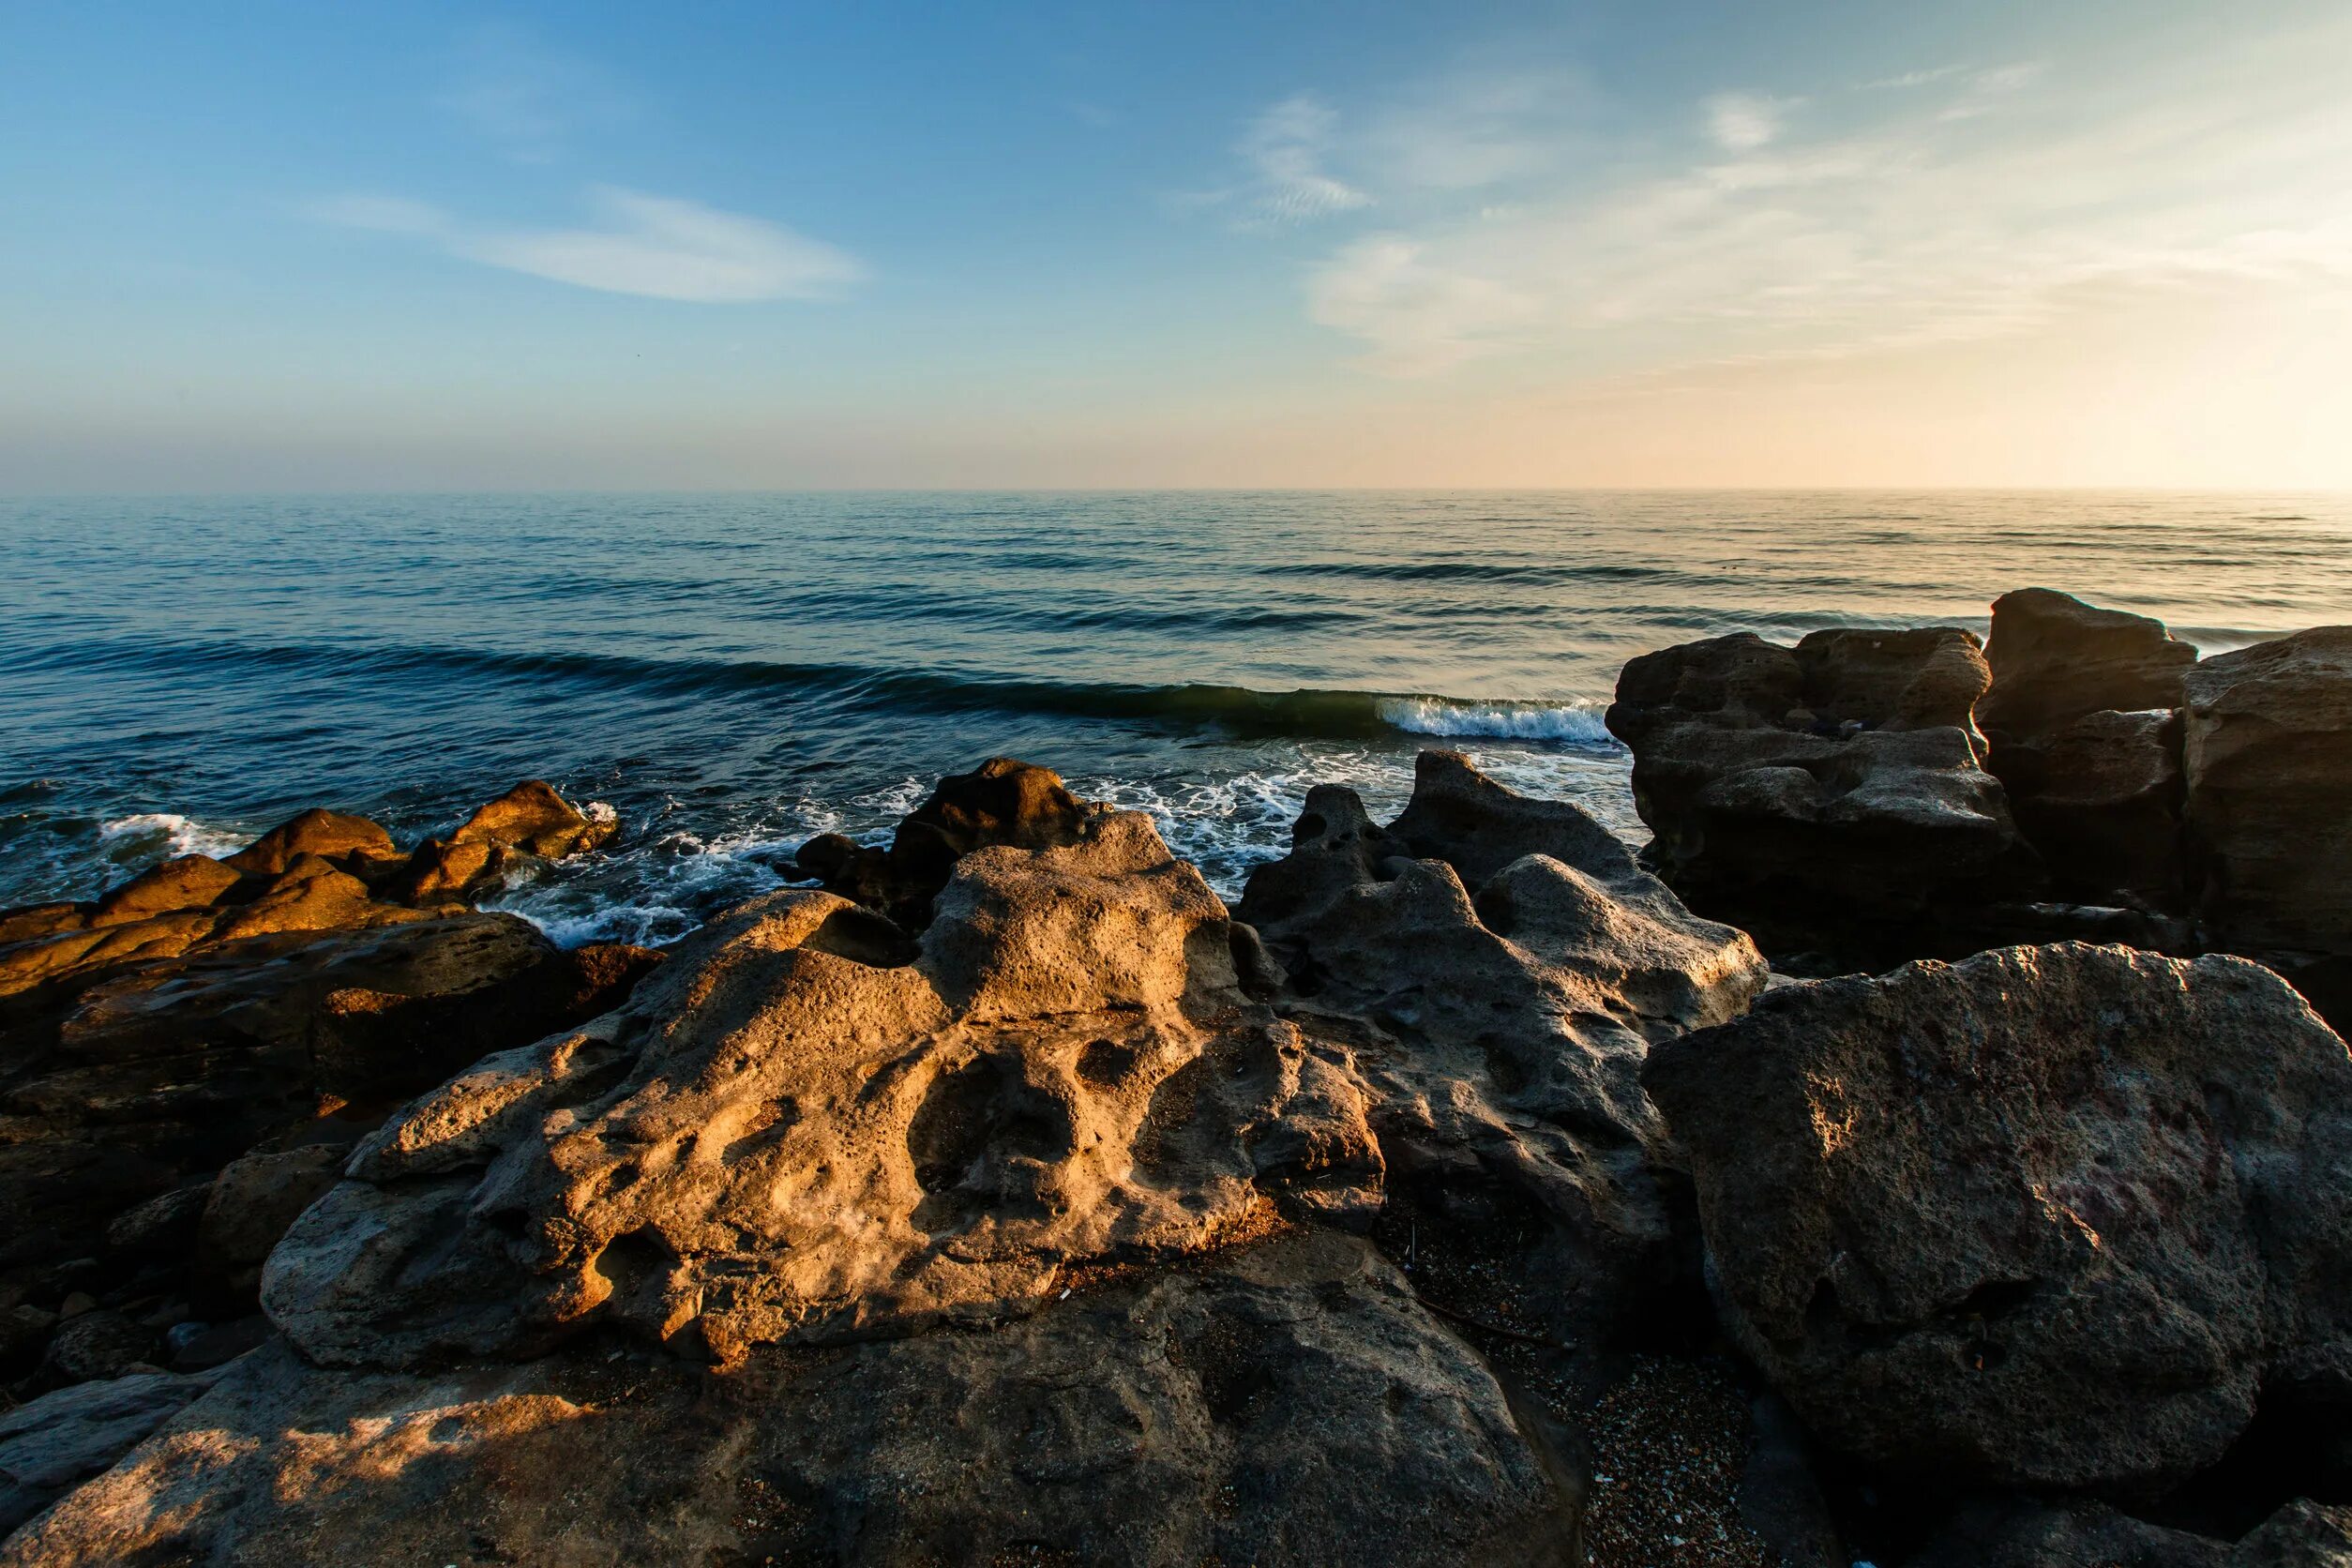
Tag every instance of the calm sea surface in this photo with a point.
(737, 673)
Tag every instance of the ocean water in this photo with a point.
(736, 673)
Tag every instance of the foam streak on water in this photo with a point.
(736, 674)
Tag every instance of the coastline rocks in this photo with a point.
(1500, 1032)
(208, 1009)
(2055, 660)
(2086, 741)
(1002, 801)
(2048, 1217)
(1286, 1402)
(1841, 783)
(319, 871)
(807, 1128)
(2267, 751)
(529, 821)
(2101, 797)
(50, 1445)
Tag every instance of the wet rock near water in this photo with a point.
(1837, 784)
(1008, 1201)
(1867, 797)
(257, 1013)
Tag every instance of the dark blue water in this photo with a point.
(736, 673)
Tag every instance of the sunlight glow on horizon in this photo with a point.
(2047, 254)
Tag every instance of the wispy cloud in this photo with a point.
(1285, 149)
(661, 246)
(1927, 217)
(526, 96)
(1742, 122)
(1914, 78)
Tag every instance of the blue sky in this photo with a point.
(269, 247)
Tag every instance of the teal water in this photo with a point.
(736, 673)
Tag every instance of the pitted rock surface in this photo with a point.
(1289, 1402)
(2048, 1218)
(806, 1127)
(1501, 1034)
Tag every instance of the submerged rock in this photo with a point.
(2049, 1216)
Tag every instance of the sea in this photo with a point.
(736, 673)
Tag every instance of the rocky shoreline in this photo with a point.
(1920, 1154)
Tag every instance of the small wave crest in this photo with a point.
(169, 832)
(1576, 722)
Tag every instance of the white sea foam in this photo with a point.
(173, 834)
(1578, 722)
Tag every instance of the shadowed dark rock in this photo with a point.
(1500, 1032)
(2046, 1218)
(2268, 749)
(1838, 785)
(2055, 658)
(1287, 1402)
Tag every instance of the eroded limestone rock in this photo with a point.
(1840, 782)
(2049, 1216)
(2267, 745)
(2055, 660)
(1287, 1402)
(805, 1127)
(1500, 1032)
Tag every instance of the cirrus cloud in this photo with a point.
(658, 246)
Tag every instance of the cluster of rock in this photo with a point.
(1004, 1197)
(1046, 1217)
(188, 1060)
(1874, 795)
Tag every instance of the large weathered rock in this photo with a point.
(120, 1088)
(2099, 797)
(2268, 749)
(50, 1445)
(2086, 740)
(2031, 1534)
(805, 1127)
(2055, 658)
(247, 1209)
(1841, 781)
(1001, 802)
(1286, 1403)
(347, 842)
(1500, 1032)
(533, 818)
(2050, 1216)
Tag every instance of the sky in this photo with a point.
(266, 248)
